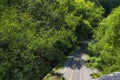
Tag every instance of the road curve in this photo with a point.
(74, 68)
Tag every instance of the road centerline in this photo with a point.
(71, 75)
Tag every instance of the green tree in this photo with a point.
(108, 5)
(86, 17)
(36, 34)
(16, 32)
(30, 44)
(106, 43)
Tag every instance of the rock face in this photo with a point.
(113, 76)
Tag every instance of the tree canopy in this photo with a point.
(105, 47)
(36, 34)
(108, 5)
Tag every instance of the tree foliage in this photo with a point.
(36, 34)
(108, 5)
(106, 43)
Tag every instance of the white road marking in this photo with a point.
(81, 76)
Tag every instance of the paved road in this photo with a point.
(74, 68)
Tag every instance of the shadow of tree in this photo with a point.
(76, 62)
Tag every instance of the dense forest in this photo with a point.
(35, 35)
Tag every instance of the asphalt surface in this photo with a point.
(74, 68)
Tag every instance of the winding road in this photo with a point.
(74, 68)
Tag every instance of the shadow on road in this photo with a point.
(77, 60)
(75, 63)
